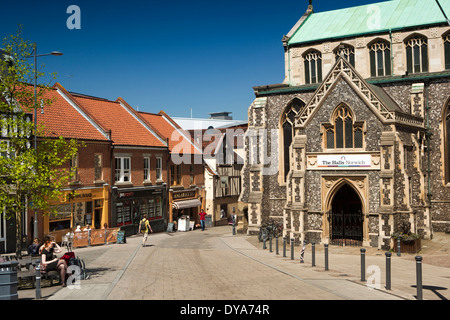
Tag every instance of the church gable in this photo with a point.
(374, 98)
(342, 102)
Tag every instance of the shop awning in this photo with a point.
(184, 204)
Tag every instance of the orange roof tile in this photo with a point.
(169, 130)
(61, 119)
(125, 129)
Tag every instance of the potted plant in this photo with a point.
(409, 242)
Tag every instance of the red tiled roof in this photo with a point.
(167, 128)
(61, 119)
(125, 129)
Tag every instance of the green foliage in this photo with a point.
(28, 176)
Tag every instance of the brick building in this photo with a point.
(137, 154)
(186, 194)
(86, 199)
(354, 142)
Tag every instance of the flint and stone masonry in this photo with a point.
(367, 154)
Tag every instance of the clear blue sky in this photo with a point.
(165, 55)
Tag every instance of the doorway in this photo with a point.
(346, 223)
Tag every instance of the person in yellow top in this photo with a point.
(144, 227)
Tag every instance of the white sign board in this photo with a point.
(344, 161)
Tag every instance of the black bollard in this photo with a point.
(284, 246)
(326, 256)
(419, 277)
(38, 281)
(276, 245)
(388, 270)
(264, 244)
(270, 243)
(292, 249)
(313, 252)
(363, 264)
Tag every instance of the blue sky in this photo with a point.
(159, 55)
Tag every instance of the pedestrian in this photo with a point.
(33, 249)
(144, 227)
(202, 215)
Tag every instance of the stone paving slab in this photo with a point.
(235, 267)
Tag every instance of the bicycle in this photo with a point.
(271, 229)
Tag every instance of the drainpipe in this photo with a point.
(392, 53)
(428, 135)
(289, 64)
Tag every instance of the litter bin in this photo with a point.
(183, 223)
(8, 280)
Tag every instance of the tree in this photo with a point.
(29, 176)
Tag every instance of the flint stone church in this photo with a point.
(362, 122)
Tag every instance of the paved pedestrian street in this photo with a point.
(216, 265)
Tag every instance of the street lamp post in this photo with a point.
(35, 56)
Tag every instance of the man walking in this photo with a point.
(144, 227)
(202, 215)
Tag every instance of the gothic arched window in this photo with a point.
(343, 132)
(447, 50)
(287, 130)
(313, 67)
(347, 52)
(416, 54)
(380, 59)
(447, 143)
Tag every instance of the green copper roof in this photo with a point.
(372, 18)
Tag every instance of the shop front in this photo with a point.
(130, 205)
(79, 207)
(185, 205)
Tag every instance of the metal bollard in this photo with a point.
(276, 245)
(284, 246)
(388, 270)
(326, 256)
(363, 264)
(234, 229)
(264, 244)
(398, 247)
(313, 252)
(270, 243)
(292, 249)
(38, 281)
(419, 277)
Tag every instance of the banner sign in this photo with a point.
(344, 161)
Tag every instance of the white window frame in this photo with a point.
(146, 168)
(159, 168)
(122, 169)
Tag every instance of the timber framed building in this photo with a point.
(355, 141)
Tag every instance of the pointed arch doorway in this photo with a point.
(347, 220)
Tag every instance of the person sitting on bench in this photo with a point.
(50, 261)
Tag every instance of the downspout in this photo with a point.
(111, 182)
(289, 64)
(428, 135)
(392, 53)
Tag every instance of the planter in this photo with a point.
(409, 246)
